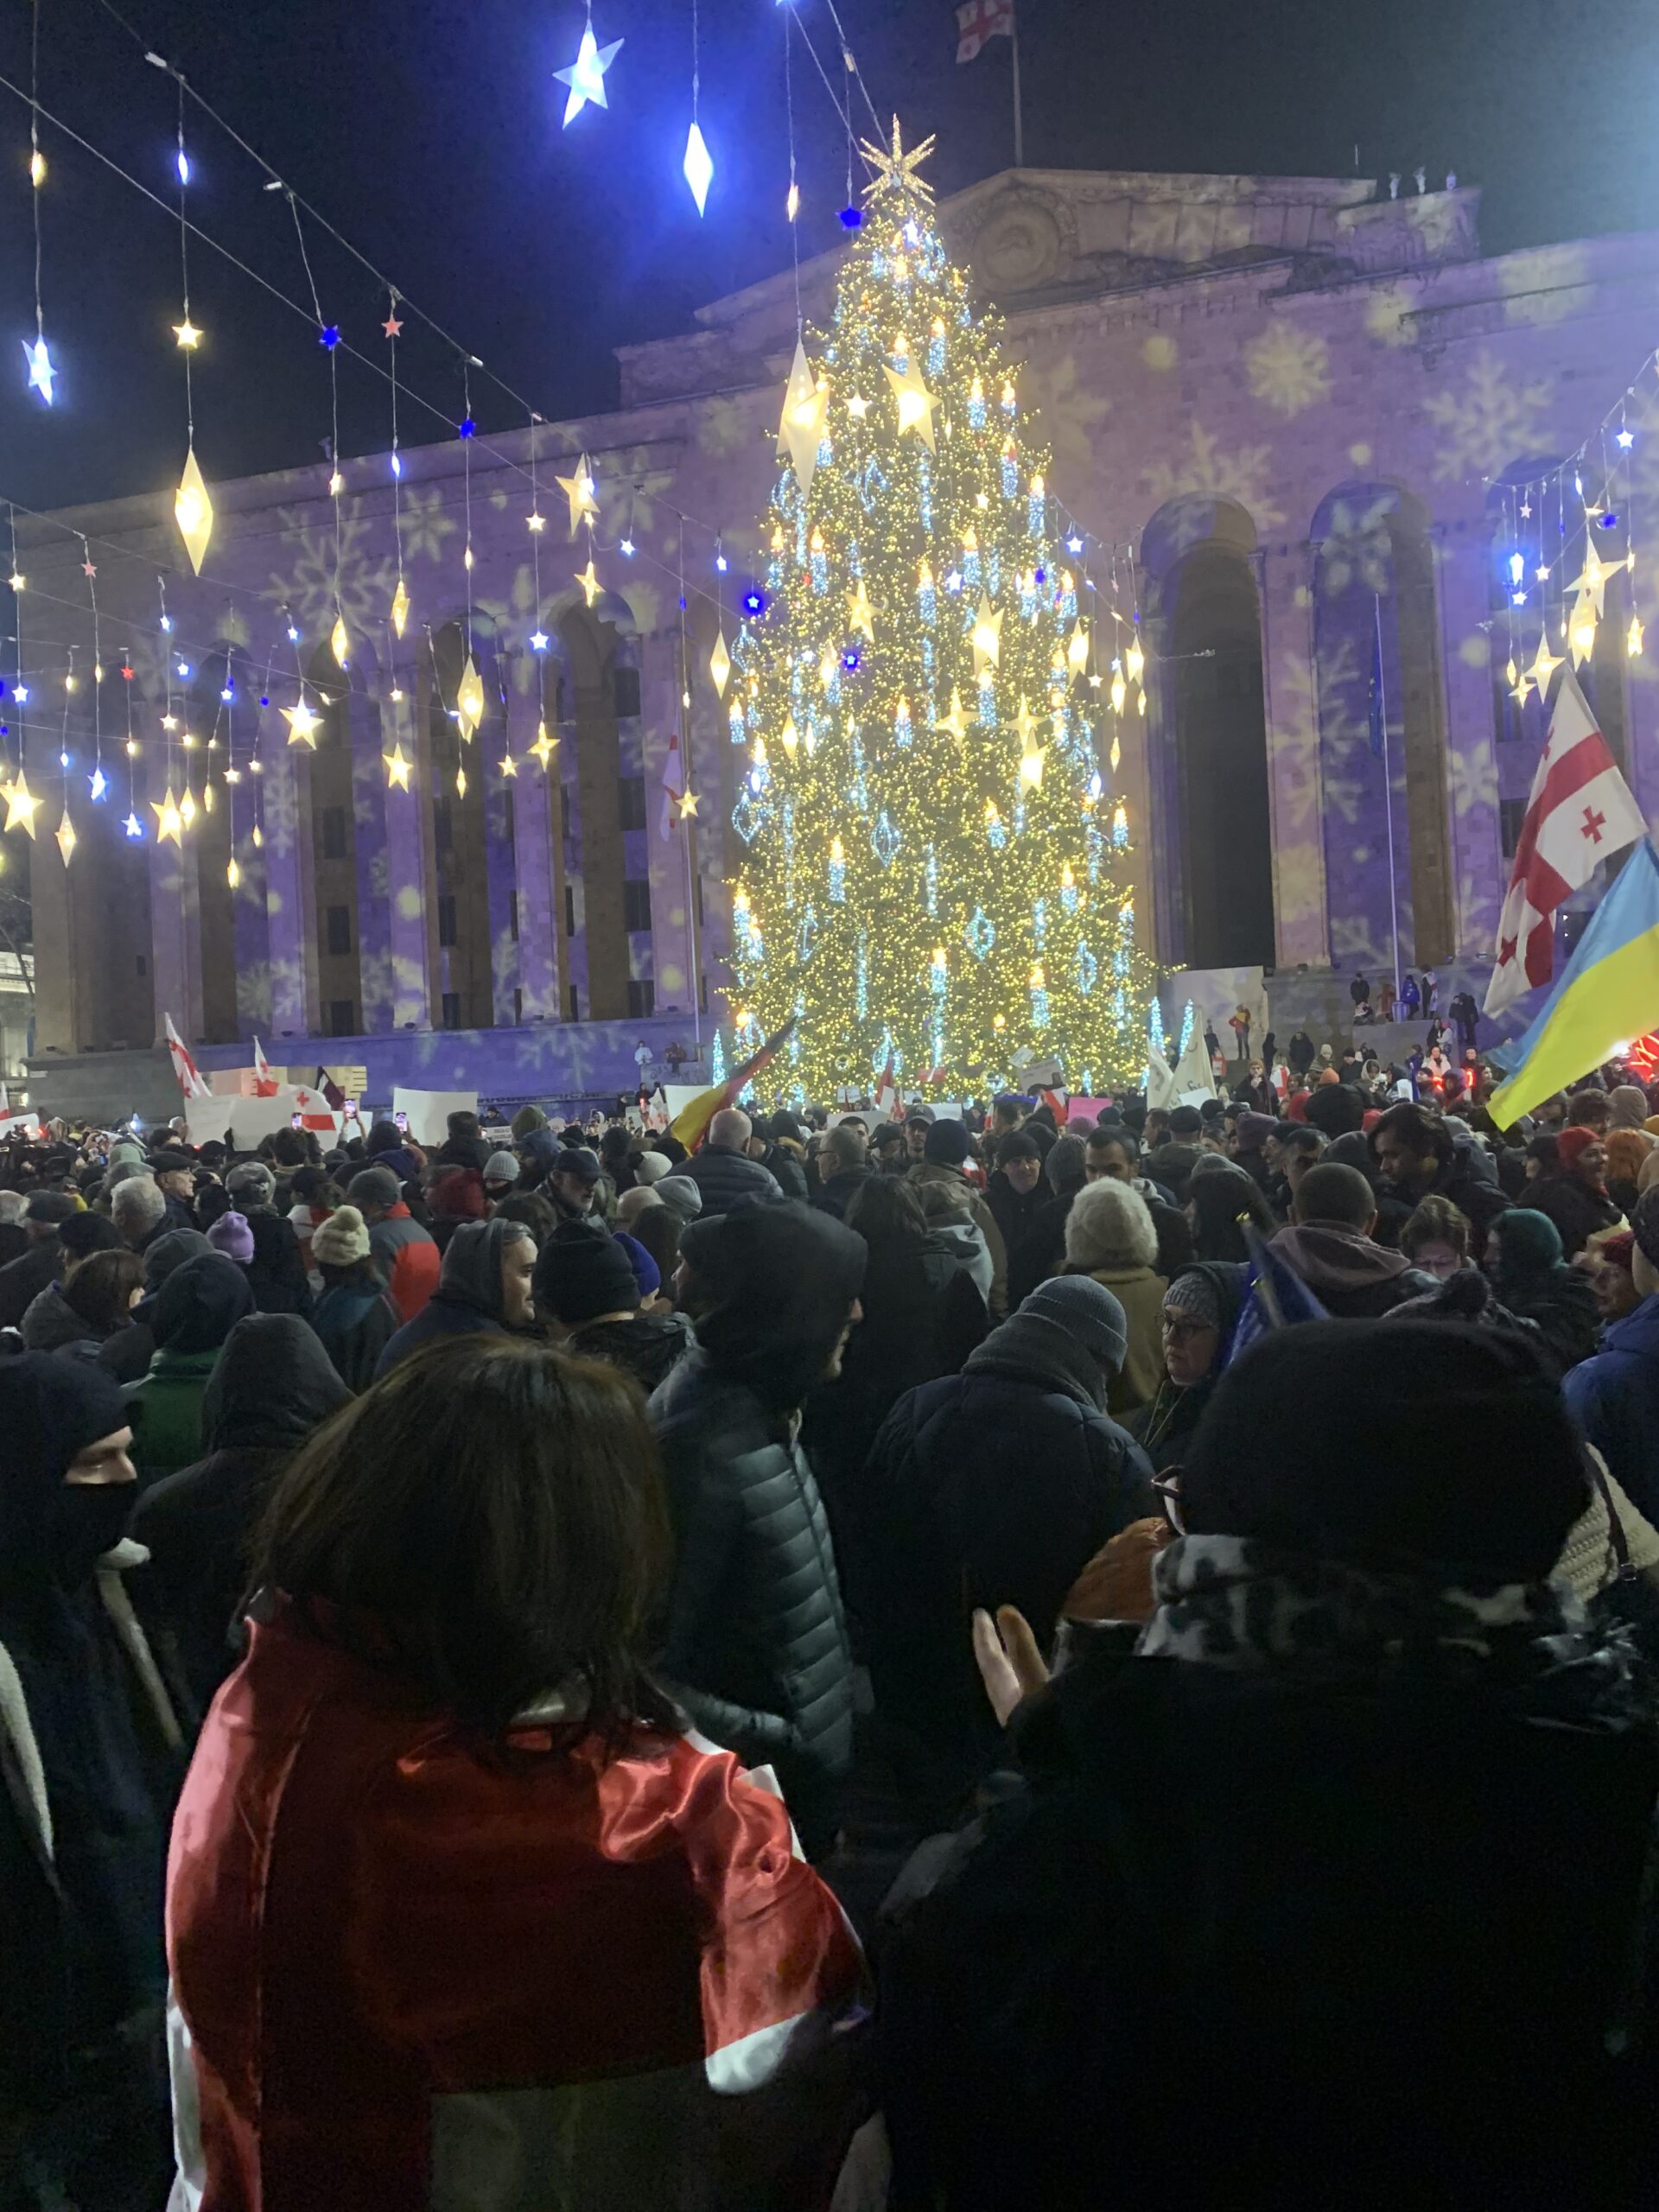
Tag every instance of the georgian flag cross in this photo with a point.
(1580, 809)
(980, 20)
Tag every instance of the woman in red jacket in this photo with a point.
(457, 1913)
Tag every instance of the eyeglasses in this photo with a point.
(1182, 1333)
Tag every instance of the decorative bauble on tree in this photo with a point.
(935, 862)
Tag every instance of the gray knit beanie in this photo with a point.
(1088, 1312)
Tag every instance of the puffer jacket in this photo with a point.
(755, 1639)
(726, 1179)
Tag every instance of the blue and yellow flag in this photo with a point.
(1608, 993)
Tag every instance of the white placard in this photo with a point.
(429, 1111)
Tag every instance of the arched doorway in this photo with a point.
(1213, 877)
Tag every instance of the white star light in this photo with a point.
(586, 75)
(698, 165)
(98, 783)
(538, 641)
(40, 370)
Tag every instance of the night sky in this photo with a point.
(429, 134)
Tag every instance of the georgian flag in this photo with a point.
(980, 20)
(184, 1066)
(1580, 809)
(673, 785)
(264, 1082)
(887, 1089)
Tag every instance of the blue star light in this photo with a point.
(98, 783)
(328, 336)
(40, 370)
(586, 75)
(133, 826)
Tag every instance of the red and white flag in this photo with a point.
(887, 1089)
(1581, 809)
(314, 1110)
(673, 785)
(184, 1067)
(264, 1082)
(980, 20)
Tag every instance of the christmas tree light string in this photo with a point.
(38, 357)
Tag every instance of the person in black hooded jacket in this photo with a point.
(752, 1638)
(1300, 1887)
(272, 1386)
(923, 1316)
(89, 1759)
(485, 1284)
(1005, 1478)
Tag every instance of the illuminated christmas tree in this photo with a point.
(936, 855)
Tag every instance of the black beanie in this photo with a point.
(1499, 1512)
(581, 1272)
(947, 1144)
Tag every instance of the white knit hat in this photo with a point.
(341, 1239)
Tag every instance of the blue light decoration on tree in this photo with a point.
(954, 781)
(717, 1060)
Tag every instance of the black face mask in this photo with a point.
(87, 1519)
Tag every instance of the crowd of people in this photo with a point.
(899, 1663)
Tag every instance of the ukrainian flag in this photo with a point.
(1608, 993)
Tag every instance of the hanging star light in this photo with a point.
(1135, 660)
(509, 765)
(579, 489)
(40, 370)
(586, 75)
(398, 768)
(589, 581)
(339, 643)
(186, 335)
(303, 724)
(987, 636)
(690, 802)
(133, 826)
(258, 833)
(469, 699)
(952, 724)
(916, 402)
(719, 664)
(399, 607)
(65, 834)
(232, 872)
(1633, 639)
(187, 807)
(896, 171)
(1581, 629)
(544, 746)
(538, 641)
(21, 803)
(1521, 686)
(461, 783)
(98, 783)
(1076, 650)
(860, 616)
(800, 431)
(194, 511)
(1031, 767)
(1591, 582)
(169, 822)
(698, 165)
(1545, 662)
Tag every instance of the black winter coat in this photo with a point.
(786, 1170)
(753, 1638)
(23, 1280)
(1578, 1212)
(725, 1179)
(836, 1195)
(985, 1489)
(1327, 1939)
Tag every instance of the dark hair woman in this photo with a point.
(445, 1692)
(1217, 1193)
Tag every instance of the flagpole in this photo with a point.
(1388, 792)
(1018, 120)
(691, 922)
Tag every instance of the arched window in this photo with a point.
(1213, 887)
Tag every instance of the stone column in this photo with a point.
(535, 827)
(408, 886)
(673, 914)
(360, 727)
(1478, 868)
(174, 944)
(248, 909)
(498, 741)
(1293, 730)
(285, 806)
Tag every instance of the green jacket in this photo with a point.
(165, 1408)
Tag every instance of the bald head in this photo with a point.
(729, 1130)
